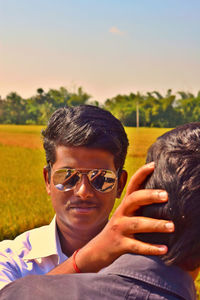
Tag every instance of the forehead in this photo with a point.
(83, 157)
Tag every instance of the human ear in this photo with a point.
(121, 183)
(47, 180)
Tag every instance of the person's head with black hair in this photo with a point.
(88, 126)
(177, 170)
(85, 147)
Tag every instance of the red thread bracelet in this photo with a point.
(74, 262)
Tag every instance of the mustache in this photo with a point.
(81, 203)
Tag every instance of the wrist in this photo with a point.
(92, 258)
(76, 268)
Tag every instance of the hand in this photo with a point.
(117, 237)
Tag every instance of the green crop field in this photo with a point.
(24, 203)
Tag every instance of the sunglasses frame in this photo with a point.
(83, 171)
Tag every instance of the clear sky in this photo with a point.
(106, 46)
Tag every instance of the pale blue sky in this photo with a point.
(107, 46)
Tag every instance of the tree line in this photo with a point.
(146, 110)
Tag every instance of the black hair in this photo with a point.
(88, 126)
(177, 170)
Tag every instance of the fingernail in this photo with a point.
(163, 195)
(169, 226)
(162, 248)
(151, 164)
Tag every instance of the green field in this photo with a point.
(24, 203)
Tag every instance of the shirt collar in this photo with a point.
(152, 270)
(44, 241)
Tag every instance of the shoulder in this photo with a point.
(21, 245)
(148, 273)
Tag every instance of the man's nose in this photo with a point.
(84, 189)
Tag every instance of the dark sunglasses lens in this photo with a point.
(102, 180)
(65, 179)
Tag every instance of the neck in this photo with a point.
(72, 239)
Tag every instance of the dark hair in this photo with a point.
(87, 126)
(177, 170)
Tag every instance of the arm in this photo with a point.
(117, 237)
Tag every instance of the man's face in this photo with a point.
(83, 207)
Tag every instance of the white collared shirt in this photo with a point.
(36, 251)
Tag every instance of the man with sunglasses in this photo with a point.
(85, 151)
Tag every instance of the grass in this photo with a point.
(23, 200)
(24, 203)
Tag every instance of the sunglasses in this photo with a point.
(101, 180)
